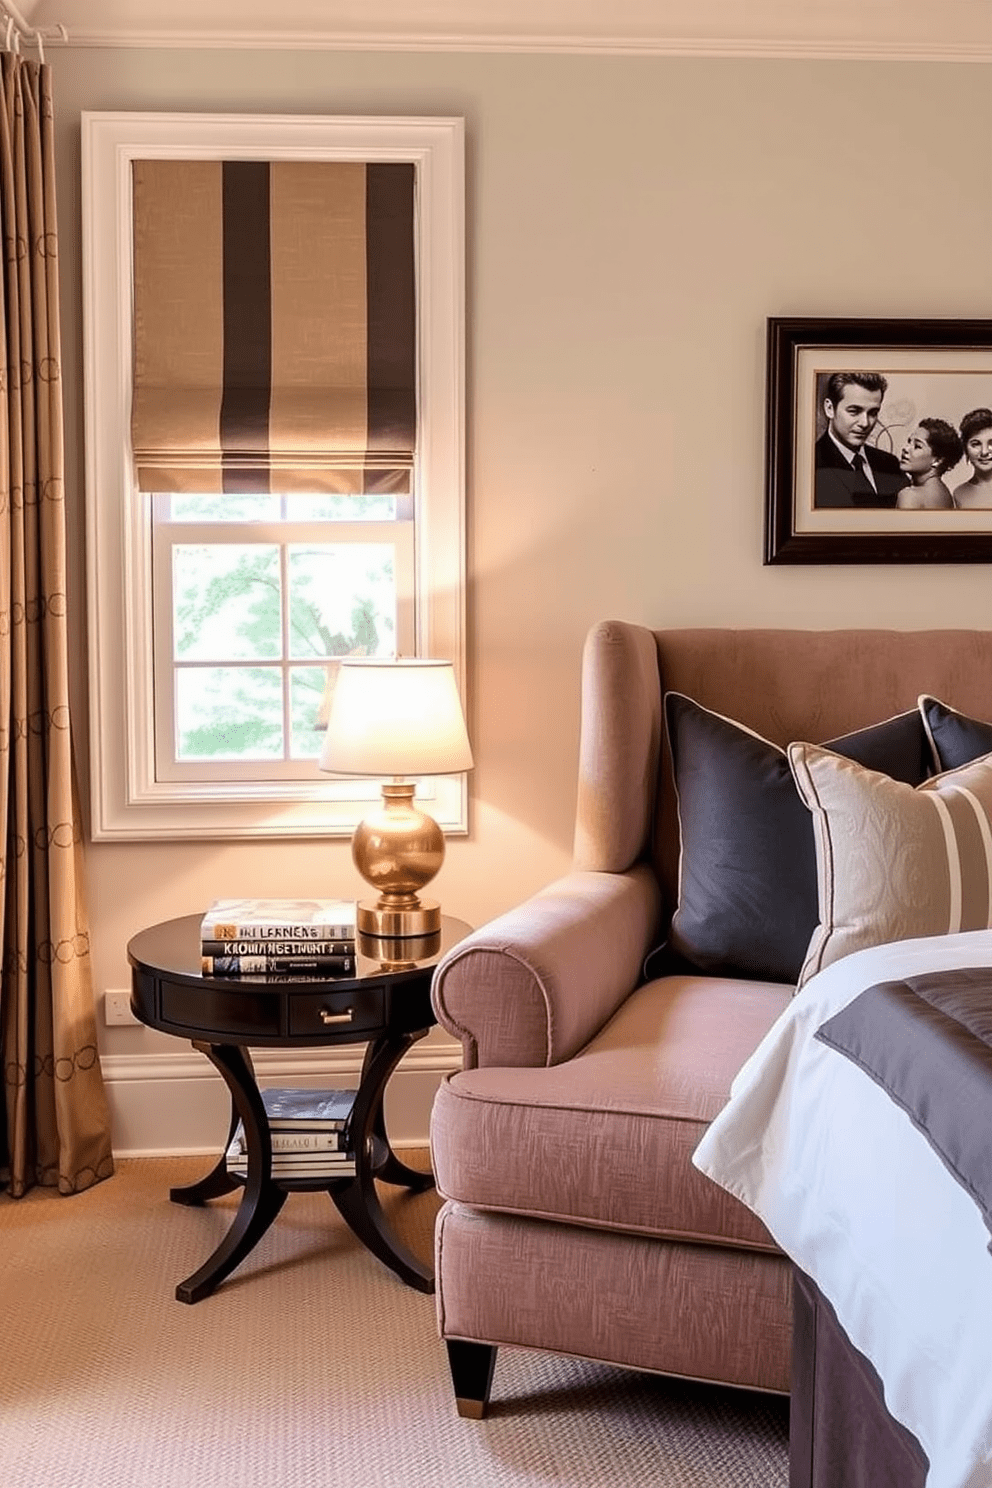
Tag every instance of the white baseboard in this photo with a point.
(170, 1105)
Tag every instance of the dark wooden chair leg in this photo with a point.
(471, 1366)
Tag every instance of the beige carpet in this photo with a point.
(311, 1367)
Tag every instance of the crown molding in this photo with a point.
(887, 30)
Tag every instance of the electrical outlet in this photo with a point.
(117, 1008)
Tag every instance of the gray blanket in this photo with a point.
(927, 1041)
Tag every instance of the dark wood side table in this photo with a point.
(385, 1005)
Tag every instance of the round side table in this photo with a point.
(386, 1005)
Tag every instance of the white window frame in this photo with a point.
(127, 801)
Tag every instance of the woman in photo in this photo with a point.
(930, 450)
(976, 435)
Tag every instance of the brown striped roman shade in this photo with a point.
(274, 325)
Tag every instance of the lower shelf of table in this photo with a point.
(382, 1157)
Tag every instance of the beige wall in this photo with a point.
(631, 223)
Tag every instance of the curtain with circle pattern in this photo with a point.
(55, 1117)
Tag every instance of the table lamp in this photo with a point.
(399, 719)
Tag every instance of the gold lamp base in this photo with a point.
(399, 952)
(398, 849)
(387, 920)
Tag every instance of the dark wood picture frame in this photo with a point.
(942, 355)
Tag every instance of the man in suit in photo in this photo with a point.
(848, 470)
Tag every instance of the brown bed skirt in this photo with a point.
(840, 1434)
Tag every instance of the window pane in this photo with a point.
(306, 695)
(342, 600)
(226, 600)
(224, 508)
(232, 713)
(341, 508)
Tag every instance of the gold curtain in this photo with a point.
(55, 1113)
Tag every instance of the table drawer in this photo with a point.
(208, 1012)
(359, 1010)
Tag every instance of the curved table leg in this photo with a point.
(392, 1169)
(357, 1201)
(262, 1199)
(218, 1181)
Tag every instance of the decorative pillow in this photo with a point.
(894, 862)
(747, 873)
(955, 739)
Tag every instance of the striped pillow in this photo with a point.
(893, 861)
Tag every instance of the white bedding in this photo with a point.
(856, 1196)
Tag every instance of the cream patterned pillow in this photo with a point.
(894, 861)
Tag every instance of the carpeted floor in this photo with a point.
(311, 1367)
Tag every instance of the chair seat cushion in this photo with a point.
(605, 1139)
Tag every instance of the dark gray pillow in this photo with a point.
(747, 879)
(954, 738)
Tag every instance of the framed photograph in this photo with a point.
(879, 441)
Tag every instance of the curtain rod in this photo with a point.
(18, 29)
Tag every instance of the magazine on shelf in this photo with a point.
(308, 1130)
(279, 919)
(288, 1108)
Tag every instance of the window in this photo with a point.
(216, 605)
(252, 597)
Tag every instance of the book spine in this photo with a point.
(225, 930)
(307, 1123)
(318, 1143)
(238, 965)
(287, 1165)
(323, 1175)
(286, 948)
(289, 976)
(301, 1170)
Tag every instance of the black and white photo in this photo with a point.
(879, 441)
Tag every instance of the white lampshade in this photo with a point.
(400, 718)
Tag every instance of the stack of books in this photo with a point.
(271, 936)
(309, 1134)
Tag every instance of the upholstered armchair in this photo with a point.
(573, 1219)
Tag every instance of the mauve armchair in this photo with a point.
(573, 1219)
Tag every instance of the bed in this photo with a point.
(860, 1132)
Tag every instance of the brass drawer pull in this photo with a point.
(328, 1017)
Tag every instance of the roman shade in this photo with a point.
(274, 325)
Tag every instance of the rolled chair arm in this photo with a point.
(533, 986)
